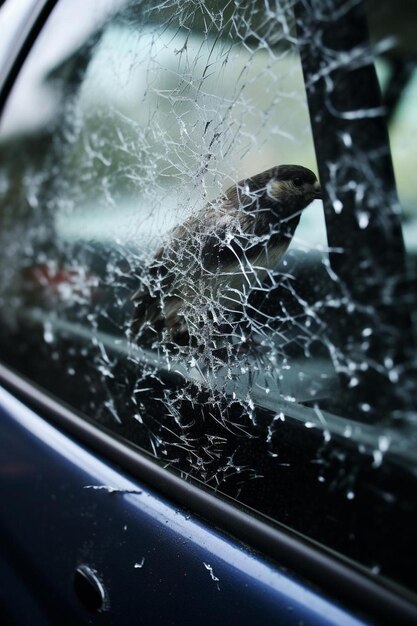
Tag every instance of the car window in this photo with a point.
(154, 282)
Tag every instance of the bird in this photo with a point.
(203, 273)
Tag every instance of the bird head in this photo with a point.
(286, 187)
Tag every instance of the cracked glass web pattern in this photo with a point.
(222, 320)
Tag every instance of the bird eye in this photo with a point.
(297, 181)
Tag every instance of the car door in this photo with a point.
(263, 468)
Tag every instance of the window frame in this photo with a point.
(347, 582)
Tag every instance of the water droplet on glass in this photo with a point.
(347, 140)
(48, 335)
(383, 443)
(348, 431)
(393, 376)
(363, 220)
(378, 456)
(353, 382)
(338, 206)
(388, 362)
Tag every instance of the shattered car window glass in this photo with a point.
(168, 269)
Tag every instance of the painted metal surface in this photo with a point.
(63, 508)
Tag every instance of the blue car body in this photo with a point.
(90, 532)
(65, 507)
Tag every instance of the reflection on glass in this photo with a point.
(141, 119)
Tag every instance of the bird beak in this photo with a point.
(317, 190)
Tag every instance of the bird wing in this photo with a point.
(207, 243)
(200, 244)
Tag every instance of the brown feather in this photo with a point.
(224, 250)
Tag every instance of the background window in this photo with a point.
(139, 116)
